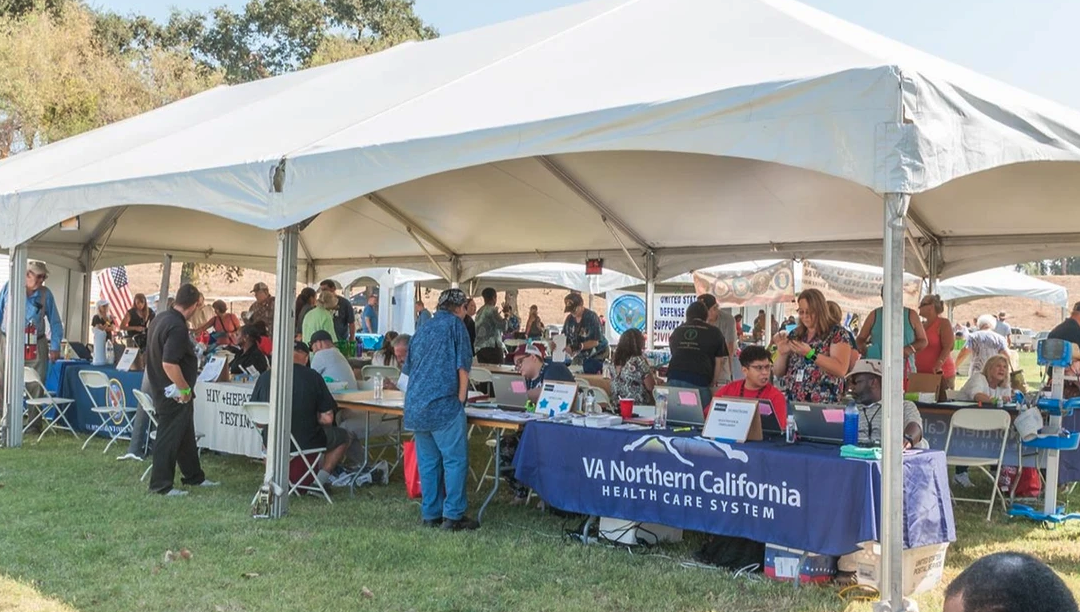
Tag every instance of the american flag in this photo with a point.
(114, 288)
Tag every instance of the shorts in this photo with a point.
(335, 437)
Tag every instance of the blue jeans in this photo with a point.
(442, 457)
(705, 392)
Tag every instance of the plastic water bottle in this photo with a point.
(590, 402)
(378, 380)
(110, 352)
(791, 430)
(851, 423)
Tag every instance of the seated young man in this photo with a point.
(313, 409)
(530, 361)
(756, 369)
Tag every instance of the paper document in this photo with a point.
(127, 360)
(212, 370)
(558, 355)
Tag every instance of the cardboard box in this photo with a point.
(923, 566)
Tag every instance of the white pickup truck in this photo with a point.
(1022, 339)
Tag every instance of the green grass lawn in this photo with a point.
(78, 527)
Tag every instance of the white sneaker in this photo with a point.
(175, 493)
(963, 480)
(209, 483)
(127, 456)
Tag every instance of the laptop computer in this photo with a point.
(819, 422)
(770, 425)
(510, 390)
(81, 351)
(684, 407)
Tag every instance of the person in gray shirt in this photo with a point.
(328, 361)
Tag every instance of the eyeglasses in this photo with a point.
(40, 277)
(760, 368)
(803, 313)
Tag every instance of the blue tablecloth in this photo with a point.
(67, 374)
(803, 496)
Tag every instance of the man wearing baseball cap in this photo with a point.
(263, 308)
(530, 360)
(865, 384)
(440, 358)
(313, 408)
(1002, 327)
(40, 307)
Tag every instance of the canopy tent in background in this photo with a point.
(998, 282)
(709, 145)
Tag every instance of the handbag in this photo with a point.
(412, 469)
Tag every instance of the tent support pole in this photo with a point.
(281, 365)
(15, 315)
(932, 281)
(166, 278)
(88, 283)
(455, 273)
(892, 389)
(650, 297)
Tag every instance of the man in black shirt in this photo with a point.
(698, 352)
(313, 408)
(171, 367)
(345, 317)
(1069, 329)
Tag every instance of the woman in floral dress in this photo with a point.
(633, 374)
(813, 360)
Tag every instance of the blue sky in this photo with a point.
(1029, 44)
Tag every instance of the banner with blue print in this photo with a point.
(801, 496)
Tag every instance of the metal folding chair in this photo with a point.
(259, 414)
(981, 419)
(113, 411)
(45, 403)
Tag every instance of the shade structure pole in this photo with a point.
(932, 282)
(14, 323)
(166, 277)
(650, 297)
(88, 284)
(892, 396)
(281, 368)
(455, 273)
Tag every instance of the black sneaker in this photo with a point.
(433, 523)
(462, 524)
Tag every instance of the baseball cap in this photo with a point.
(321, 335)
(866, 366)
(260, 287)
(37, 267)
(531, 348)
(102, 303)
(572, 300)
(302, 347)
(1003, 315)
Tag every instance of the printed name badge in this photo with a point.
(556, 398)
(800, 375)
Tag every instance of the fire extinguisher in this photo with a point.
(30, 348)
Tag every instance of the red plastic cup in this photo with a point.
(626, 408)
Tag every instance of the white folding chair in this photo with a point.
(981, 419)
(388, 372)
(118, 414)
(147, 405)
(259, 414)
(44, 403)
(479, 376)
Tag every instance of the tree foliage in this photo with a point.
(58, 78)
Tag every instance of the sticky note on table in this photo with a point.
(518, 386)
(687, 397)
(765, 409)
(833, 415)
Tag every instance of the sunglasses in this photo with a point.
(37, 276)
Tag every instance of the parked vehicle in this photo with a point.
(1022, 339)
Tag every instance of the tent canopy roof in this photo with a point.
(545, 136)
(1001, 281)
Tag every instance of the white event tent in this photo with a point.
(998, 282)
(743, 129)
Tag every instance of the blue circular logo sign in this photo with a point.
(626, 312)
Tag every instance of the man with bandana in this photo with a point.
(440, 357)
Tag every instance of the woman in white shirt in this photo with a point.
(990, 384)
(385, 355)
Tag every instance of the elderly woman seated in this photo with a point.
(989, 385)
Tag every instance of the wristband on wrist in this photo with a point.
(185, 391)
(811, 355)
